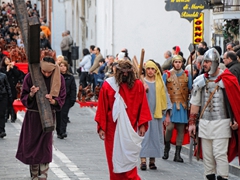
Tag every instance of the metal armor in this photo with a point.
(213, 56)
(216, 109)
(178, 89)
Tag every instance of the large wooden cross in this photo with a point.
(30, 30)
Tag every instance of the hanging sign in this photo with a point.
(198, 29)
(188, 9)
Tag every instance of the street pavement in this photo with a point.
(81, 155)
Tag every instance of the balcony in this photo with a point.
(225, 9)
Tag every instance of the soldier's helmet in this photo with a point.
(213, 56)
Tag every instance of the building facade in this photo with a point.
(226, 16)
(113, 25)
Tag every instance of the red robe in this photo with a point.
(138, 112)
(233, 93)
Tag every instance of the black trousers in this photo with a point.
(62, 117)
(65, 53)
(70, 58)
(83, 79)
(3, 107)
(10, 111)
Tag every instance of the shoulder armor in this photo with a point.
(168, 76)
(221, 85)
(168, 73)
(199, 82)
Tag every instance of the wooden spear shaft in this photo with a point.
(141, 63)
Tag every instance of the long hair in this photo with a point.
(65, 63)
(3, 64)
(122, 67)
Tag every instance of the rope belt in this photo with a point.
(33, 110)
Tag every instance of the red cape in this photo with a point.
(233, 93)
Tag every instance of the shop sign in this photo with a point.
(198, 29)
(188, 9)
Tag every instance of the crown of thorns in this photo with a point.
(48, 53)
(124, 69)
(124, 66)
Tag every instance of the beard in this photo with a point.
(124, 78)
(206, 69)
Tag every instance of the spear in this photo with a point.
(191, 146)
(139, 67)
(141, 62)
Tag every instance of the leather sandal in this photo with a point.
(34, 169)
(43, 171)
(152, 166)
(143, 166)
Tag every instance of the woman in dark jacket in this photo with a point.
(13, 75)
(71, 91)
(44, 43)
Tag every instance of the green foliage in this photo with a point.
(230, 29)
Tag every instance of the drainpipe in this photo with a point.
(112, 27)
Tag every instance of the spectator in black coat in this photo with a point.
(231, 62)
(71, 94)
(44, 43)
(7, 67)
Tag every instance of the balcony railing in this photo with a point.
(227, 5)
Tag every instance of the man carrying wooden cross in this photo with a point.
(43, 93)
(35, 145)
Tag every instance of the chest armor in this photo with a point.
(216, 108)
(178, 89)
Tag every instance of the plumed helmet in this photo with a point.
(213, 56)
(177, 49)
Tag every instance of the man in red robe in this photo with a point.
(122, 112)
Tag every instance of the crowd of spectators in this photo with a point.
(94, 69)
(10, 38)
(10, 33)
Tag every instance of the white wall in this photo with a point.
(58, 25)
(208, 26)
(141, 24)
(101, 25)
(90, 17)
(113, 25)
